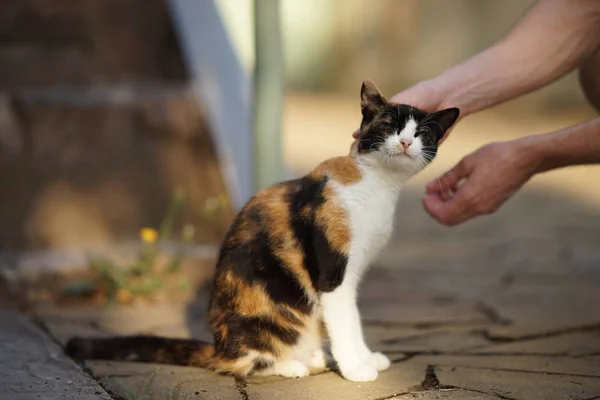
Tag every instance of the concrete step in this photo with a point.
(33, 366)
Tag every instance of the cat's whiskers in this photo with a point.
(424, 163)
(450, 173)
(389, 158)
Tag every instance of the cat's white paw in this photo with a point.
(378, 360)
(291, 369)
(317, 359)
(361, 373)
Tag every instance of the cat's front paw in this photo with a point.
(360, 373)
(291, 369)
(317, 359)
(378, 361)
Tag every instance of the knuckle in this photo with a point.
(444, 220)
(472, 201)
(462, 164)
(481, 208)
(485, 208)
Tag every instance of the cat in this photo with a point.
(289, 267)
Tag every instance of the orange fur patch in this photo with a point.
(334, 221)
(288, 249)
(341, 169)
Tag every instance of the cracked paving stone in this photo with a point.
(546, 307)
(527, 364)
(523, 378)
(419, 312)
(418, 340)
(569, 344)
(449, 394)
(516, 385)
(33, 366)
(400, 378)
(134, 381)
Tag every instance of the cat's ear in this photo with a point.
(371, 101)
(444, 119)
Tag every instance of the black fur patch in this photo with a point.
(256, 263)
(325, 265)
(332, 263)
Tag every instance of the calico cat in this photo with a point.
(290, 264)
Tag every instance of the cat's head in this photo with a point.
(399, 136)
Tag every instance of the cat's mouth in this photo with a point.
(402, 154)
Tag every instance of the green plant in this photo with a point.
(148, 273)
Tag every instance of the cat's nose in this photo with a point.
(406, 143)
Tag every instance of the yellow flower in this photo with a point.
(148, 235)
(124, 296)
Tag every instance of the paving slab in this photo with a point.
(33, 366)
(384, 298)
(525, 364)
(518, 385)
(402, 377)
(450, 394)
(544, 309)
(577, 344)
(398, 340)
(134, 381)
(518, 377)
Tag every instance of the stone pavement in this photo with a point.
(504, 307)
(33, 366)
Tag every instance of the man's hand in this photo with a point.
(481, 182)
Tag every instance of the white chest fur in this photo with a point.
(371, 204)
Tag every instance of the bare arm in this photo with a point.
(551, 39)
(576, 145)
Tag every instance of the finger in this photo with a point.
(450, 180)
(416, 97)
(451, 212)
(442, 190)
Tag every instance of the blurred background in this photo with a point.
(114, 112)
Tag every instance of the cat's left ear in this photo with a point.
(371, 101)
(444, 119)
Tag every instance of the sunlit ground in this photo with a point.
(320, 126)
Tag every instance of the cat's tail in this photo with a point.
(155, 349)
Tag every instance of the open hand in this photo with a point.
(480, 183)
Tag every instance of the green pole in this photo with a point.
(268, 94)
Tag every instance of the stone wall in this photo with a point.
(98, 127)
(86, 42)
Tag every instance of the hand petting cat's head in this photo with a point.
(399, 136)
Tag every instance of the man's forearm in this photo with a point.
(552, 39)
(576, 145)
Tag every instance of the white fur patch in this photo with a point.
(371, 205)
(393, 144)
